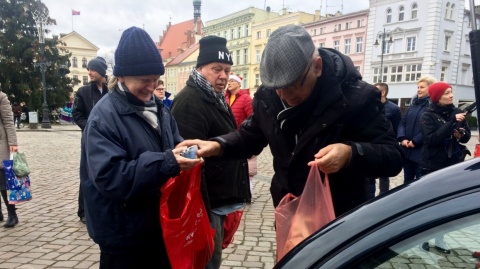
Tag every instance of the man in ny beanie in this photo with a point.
(202, 112)
(85, 99)
(127, 155)
(313, 109)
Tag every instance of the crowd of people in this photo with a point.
(312, 109)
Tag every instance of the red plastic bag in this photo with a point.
(230, 226)
(186, 228)
(477, 151)
(296, 218)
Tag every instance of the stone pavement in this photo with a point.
(49, 234)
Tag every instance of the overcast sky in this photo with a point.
(102, 21)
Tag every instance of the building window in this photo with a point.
(401, 13)
(85, 80)
(447, 10)
(321, 30)
(245, 80)
(359, 45)
(257, 80)
(321, 45)
(75, 77)
(238, 57)
(452, 12)
(225, 35)
(414, 11)
(389, 15)
(245, 56)
(386, 46)
(74, 62)
(259, 34)
(84, 62)
(268, 32)
(448, 41)
(247, 33)
(396, 73)
(348, 25)
(443, 73)
(314, 32)
(413, 72)
(376, 74)
(239, 32)
(258, 56)
(411, 42)
(336, 45)
(232, 34)
(348, 43)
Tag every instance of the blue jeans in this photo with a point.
(216, 221)
(411, 171)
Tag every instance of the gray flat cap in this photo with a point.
(288, 51)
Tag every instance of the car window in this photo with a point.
(462, 236)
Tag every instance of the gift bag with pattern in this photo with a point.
(18, 188)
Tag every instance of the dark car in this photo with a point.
(397, 230)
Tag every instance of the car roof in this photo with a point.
(440, 185)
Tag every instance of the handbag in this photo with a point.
(186, 227)
(18, 188)
(477, 151)
(296, 218)
(20, 166)
(230, 226)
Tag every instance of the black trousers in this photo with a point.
(81, 203)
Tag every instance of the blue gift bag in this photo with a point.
(18, 188)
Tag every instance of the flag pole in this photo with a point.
(72, 19)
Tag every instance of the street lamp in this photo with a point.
(382, 36)
(41, 19)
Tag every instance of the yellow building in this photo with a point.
(82, 52)
(237, 29)
(261, 32)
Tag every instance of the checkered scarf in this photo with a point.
(206, 87)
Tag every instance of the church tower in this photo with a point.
(196, 10)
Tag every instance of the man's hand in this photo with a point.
(205, 148)
(184, 163)
(332, 158)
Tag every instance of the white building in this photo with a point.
(428, 37)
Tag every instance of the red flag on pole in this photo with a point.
(74, 12)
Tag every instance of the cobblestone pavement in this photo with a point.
(49, 234)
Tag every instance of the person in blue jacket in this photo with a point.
(410, 130)
(162, 94)
(128, 153)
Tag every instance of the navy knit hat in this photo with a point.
(213, 49)
(137, 55)
(99, 65)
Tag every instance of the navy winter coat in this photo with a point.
(410, 128)
(123, 165)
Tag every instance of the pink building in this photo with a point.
(345, 33)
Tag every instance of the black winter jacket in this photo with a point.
(348, 111)
(199, 116)
(438, 123)
(85, 99)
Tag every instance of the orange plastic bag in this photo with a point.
(477, 151)
(230, 226)
(296, 218)
(186, 228)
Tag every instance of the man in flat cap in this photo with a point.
(313, 109)
(128, 154)
(202, 112)
(85, 99)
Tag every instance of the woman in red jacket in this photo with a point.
(241, 104)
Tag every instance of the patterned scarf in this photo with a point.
(208, 89)
(147, 110)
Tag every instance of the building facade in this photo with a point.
(82, 52)
(419, 38)
(344, 32)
